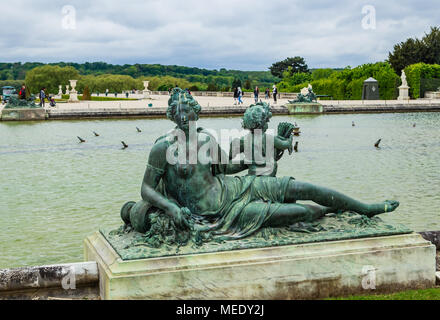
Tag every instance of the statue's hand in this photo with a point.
(180, 217)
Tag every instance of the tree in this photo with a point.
(247, 84)
(406, 53)
(212, 87)
(86, 94)
(50, 77)
(297, 64)
(236, 83)
(415, 50)
(432, 46)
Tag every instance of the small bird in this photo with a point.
(295, 147)
(138, 130)
(96, 135)
(377, 143)
(352, 124)
(81, 140)
(124, 145)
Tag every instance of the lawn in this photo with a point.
(426, 294)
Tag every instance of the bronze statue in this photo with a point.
(202, 199)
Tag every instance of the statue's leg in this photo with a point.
(297, 190)
(285, 214)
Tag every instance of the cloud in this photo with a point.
(246, 34)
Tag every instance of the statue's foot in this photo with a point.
(378, 208)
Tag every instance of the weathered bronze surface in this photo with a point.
(348, 225)
(307, 98)
(201, 203)
(15, 102)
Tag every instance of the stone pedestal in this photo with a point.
(146, 92)
(303, 107)
(73, 94)
(403, 93)
(299, 271)
(21, 114)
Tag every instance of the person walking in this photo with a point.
(42, 97)
(240, 95)
(235, 96)
(275, 93)
(22, 93)
(256, 93)
(267, 94)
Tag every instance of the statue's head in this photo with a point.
(257, 116)
(182, 108)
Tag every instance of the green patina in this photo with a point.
(186, 203)
(309, 97)
(132, 245)
(15, 102)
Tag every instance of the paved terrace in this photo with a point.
(220, 105)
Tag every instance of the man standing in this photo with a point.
(42, 96)
(275, 92)
(256, 93)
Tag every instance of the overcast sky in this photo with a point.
(213, 34)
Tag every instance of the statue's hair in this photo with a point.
(256, 116)
(181, 96)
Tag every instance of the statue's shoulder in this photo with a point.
(161, 144)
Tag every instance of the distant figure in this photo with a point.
(295, 147)
(414, 125)
(267, 94)
(81, 140)
(138, 130)
(106, 92)
(235, 96)
(240, 95)
(22, 93)
(96, 135)
(51, 100)
(126, 94)
(275, 93)
(42, 97)
(116, 94)
(124, 145)
(352, 124)
(256, 93)
(377, 143)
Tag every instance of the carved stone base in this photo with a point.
(21, 114)
(300, 271)
(301, 107)
(73, 97)
(403, 93)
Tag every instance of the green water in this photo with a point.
(55, 191)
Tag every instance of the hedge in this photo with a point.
(348, 83)
(417, 71)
